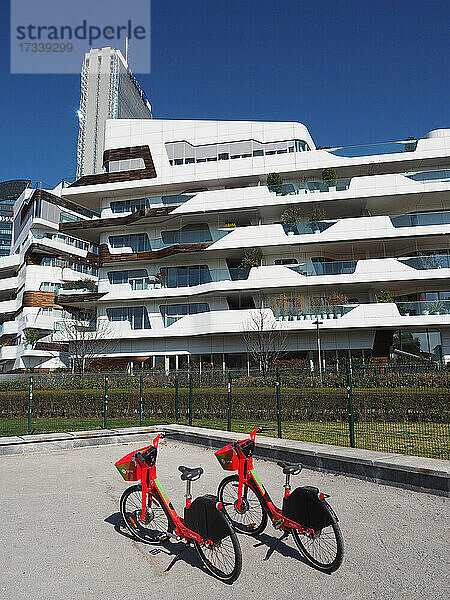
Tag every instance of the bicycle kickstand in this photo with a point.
(174, 560)
(274, 546)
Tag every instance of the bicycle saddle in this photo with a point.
(290, 468)
(188, 474)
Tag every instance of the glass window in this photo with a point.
(173, 312)
(137, 316)
(116, 277)
(186, 276)
(426, 344)
(138, 242)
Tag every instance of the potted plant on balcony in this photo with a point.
(384, 296)
(80, 284)
(329, 177)
(30, 338)
(335, 301)
(161, 279)
(252, 258)
(437, 308)
(316, 215)
(274, 183)
(289, 218)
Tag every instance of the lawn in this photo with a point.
(419, 439)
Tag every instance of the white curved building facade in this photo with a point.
(193, 242)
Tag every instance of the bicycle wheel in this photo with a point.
(324, 549)
(153, 529)
(222, 559)
(251, 518)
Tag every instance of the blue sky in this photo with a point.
(352, 71)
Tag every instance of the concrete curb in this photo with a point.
(420, 474)
(74, 439)
(427, 475)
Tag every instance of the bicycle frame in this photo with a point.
(152, 488)
(248, 478)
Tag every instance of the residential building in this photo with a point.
(42, 262)
(189, 244)
(109, 90)
(193, 242)
(9, 192)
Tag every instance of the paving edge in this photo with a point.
(427, 475)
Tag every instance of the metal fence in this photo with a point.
(377, 408)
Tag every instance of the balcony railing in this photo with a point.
(309, 187)
(431, 261)
(69, 240)
(419, 308)
(312, 313)
(338, 267)
(306, 228)
(420, 219)
(374, 149)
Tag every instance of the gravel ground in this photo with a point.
(62, 536)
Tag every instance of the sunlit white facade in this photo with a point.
(177, 227)
(184, 241)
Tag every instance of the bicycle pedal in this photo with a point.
(277, 523)
(154, 551)
(250, 525)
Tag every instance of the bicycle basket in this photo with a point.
(127, 468)
(227, 458)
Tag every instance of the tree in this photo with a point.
(274, 182)
(264, 338)
(292, 215)
(252, 258)
(329, 176)
(31, 336)
(83, 338)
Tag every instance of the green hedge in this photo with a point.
(257, 404)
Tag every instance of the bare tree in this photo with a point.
(83, 338)
(265, 339)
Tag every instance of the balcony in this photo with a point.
(338, 267)
(310, 187)
(414, 309)
(307, 227)
(8, 328)
(374, 149)
(312, 313)
(430, 261)
(8, 352)
(421, 219)
(67, 240)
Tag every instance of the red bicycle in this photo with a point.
(150, 516)
(305, 513)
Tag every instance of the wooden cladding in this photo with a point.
(79, 298)
(40, 299)
(36, 252)
(107, 257)
(143, 213)
(148, 172)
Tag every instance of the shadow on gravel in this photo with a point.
(178, 550)
(282, 548)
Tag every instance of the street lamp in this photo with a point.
(319, 353)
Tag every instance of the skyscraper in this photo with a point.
(9, 192)
(109, 90)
